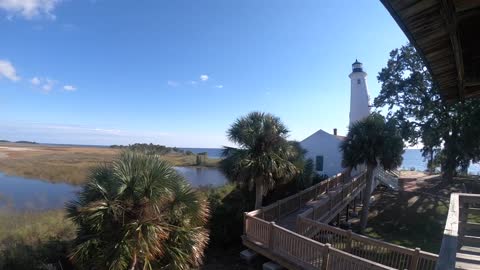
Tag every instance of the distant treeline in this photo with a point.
(7, 141)
(152, 148)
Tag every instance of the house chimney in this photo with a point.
(335, 131)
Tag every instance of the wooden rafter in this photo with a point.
(448, 9)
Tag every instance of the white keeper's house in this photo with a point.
(323, 147)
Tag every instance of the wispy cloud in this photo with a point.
(29, 9)
(202, 79)
(173, 83)
(69, 88)
(35, 81)
(79, 134)
(46, 85)
(8, 71)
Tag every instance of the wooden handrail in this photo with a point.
(455, 227)
(379, 251)
(305, 249)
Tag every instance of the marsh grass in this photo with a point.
(33, 240)
(70, 164)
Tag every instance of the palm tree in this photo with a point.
(371, 142)
(264, 156)
(138, 213)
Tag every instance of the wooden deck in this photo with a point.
(293, 232)
(461, 242)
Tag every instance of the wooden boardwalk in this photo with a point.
(293, 232)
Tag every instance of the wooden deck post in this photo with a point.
(245, 223)
(346, 213)
(354, 205)
(349, 241)
(326, 251)
(415, 259)
(271, 237)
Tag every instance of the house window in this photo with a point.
(319, 163)
(359, 81)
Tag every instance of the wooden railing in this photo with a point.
(328, 206)
(395, 256)
(286, 206)
(316, 245)
(301, 251)
(459, 229)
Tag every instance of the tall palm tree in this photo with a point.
(138, 213)
(264, 156)
(371, 142)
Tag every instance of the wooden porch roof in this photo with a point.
(447, 35)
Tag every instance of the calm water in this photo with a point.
(31, 194)
(412, 159)
(211, 152)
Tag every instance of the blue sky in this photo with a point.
(179, 72)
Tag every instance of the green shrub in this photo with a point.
(227, 205)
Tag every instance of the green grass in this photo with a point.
(411, 219)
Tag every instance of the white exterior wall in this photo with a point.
(359, 99)
(327, 145)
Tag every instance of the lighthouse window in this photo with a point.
(359, 81)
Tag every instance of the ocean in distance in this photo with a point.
(412, 159)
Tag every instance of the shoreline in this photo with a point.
(68, 164)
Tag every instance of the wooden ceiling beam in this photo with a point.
(448, 10)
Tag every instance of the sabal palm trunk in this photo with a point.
(366, 198)
(258, 193)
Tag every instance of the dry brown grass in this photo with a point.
(56, 164)
(65, 164)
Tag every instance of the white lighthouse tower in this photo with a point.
(359, 100)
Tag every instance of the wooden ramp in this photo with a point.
(293, 232)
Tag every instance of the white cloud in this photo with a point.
(204, 78)
(69, 88)
(29, 9)
(219, 86)
(7, 70)
(35, 81)
(48, 85)
(173, 83)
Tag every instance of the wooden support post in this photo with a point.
(346, 213)
(415, 259)
(326, 251)
(463, 218)
(245, 223)
(271, 238)
(354, 205)
(349, 241)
